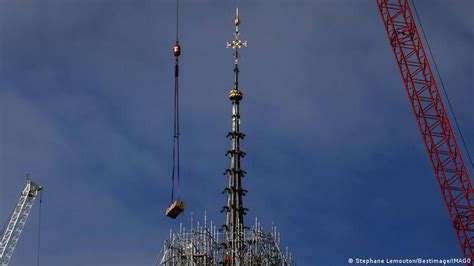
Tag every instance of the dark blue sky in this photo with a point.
(334, 157)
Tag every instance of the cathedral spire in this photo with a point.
(235, 211)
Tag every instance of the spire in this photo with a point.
(235, 211)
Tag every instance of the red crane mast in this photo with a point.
(433, 122)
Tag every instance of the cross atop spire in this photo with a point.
(237, 43)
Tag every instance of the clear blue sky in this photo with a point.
(334, 157)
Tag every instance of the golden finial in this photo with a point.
(235, 95)
(237, 19)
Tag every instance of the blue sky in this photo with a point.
(334, 157)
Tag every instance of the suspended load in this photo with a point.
(175, 209)
(177, 205)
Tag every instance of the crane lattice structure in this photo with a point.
(13, 228)
(233, 244)
(432, 119)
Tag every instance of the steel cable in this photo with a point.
(443, 87)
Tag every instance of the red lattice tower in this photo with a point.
(433, 122)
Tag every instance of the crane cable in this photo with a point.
(443, 87)
(39, 228)
(175, 179)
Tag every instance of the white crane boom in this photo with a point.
(12, 231)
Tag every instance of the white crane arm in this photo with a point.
(12, 231)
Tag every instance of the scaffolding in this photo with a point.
(203, 245)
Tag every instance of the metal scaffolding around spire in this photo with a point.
(202, 245)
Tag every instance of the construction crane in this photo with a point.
(433, 123)
(14, 226)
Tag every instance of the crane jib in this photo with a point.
(433, 123)
(12, 231)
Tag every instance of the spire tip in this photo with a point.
(237, 19)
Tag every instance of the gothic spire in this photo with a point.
(235, 211)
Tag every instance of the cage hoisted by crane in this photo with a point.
(12, 231)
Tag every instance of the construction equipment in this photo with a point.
(13, 228)
(432, 119)
(177, 206)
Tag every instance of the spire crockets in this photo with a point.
(235, 211)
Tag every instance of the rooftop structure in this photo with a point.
(202, 244)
